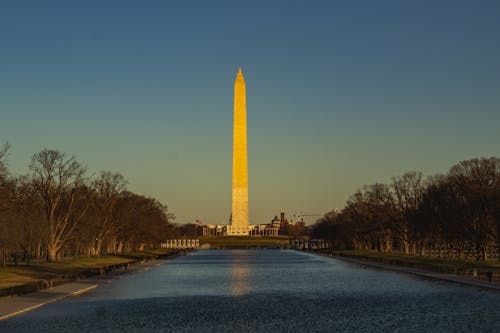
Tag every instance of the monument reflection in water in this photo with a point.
(239, 279)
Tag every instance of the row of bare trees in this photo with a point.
(58, 211)
(453, 215)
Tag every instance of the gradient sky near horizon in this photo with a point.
(339, 94)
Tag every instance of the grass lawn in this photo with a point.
(10, 278)
(444, 265)
(14, 275)
(243, 241)
(151, 253)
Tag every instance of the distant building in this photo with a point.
(291, 228)
(277, 226)
(270, 229)
(276, 222)
(214, 230)
(283, 221)
(300, 224)
(263, 230)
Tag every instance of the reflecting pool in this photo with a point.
(267, 291)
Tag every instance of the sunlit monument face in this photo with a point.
(239, 221)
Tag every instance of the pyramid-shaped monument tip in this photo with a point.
(240, 73)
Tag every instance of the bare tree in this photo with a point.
(339, 229)
(108, 188)
(477, 184)
(58, 180)
(439, 224)
(4, 181)
(5, 205)
(141, 220)
(406, 195)
(28, 213)
(449, 214)
(54, 212)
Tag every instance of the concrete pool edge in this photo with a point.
(495, 286)
(11, 306)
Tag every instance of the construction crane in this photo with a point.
(298, 216)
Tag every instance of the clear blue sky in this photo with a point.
(339, 94)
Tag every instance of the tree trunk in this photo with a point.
(480, 253)
(406, 247)
(51, 252)
(422, 249)
(119, 248)
(98, 247)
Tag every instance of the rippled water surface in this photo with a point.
(267, 291)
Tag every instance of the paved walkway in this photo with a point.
(476, 282)
(14, 305)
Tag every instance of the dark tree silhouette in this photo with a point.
(453, 215)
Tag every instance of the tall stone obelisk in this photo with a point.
(239, 217)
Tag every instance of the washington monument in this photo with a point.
(239, 220)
